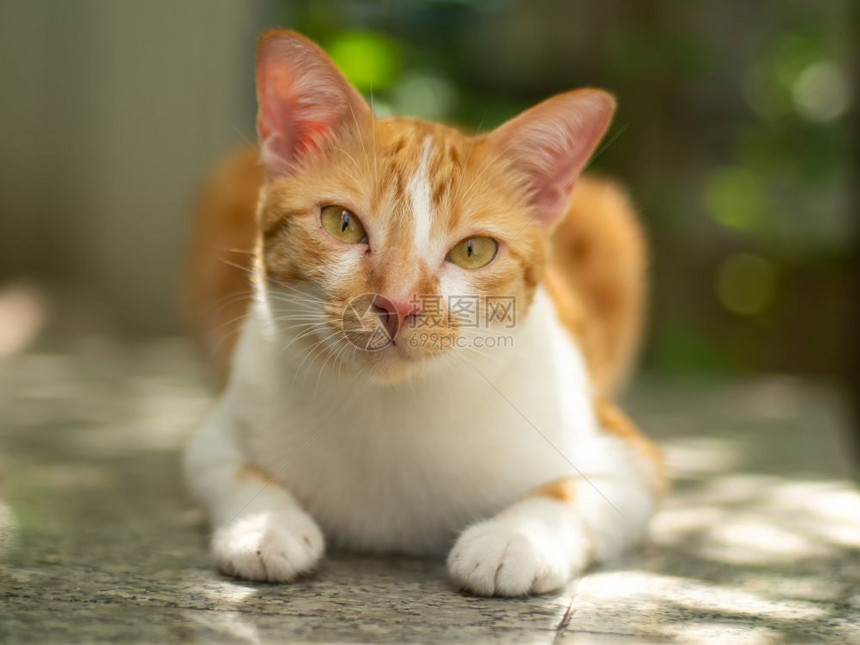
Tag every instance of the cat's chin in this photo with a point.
(396, 364)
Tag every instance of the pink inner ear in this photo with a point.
(303, 98)
(551, 144)
(314, 131)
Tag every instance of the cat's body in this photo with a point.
(514, 447)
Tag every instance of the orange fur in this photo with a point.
(564, 491)
(249, 472)
(370, 167)
(217, 281)
(615, 422)
(593, 263)
(595, 273)
(596, 277)
(561, 490)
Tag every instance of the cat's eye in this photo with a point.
(343, 225)
(473, 252)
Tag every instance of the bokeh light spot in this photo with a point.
(23, 314)
(745, 283)
(371, 61)
(735, 197)
(8, 529)
(821, 92)
(424, 95)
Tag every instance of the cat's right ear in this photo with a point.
(302, 98)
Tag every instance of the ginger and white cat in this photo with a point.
(495, 441)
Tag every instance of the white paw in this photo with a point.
(509, 558)
(269, 546)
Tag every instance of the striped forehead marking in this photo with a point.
(419, 196)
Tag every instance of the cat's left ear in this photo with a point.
(550, 144)
(302, 97)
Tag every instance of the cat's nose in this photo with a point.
(394, 313)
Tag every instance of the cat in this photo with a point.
(488, 431)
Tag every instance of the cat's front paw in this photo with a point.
(270, 546)
(505, 558)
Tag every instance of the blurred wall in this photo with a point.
(111, 113)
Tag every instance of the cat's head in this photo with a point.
(387, 245)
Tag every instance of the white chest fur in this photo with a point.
(403, 468)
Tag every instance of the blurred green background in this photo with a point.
(738, 144)
(735, 144)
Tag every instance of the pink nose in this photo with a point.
(393, 313)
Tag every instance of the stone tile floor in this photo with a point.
(759, 542)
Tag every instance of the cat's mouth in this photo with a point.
(397, 359)
(396, 363)
(359, 336)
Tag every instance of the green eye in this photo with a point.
(474, 252)
(343, 225)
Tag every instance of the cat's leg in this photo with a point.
(260, 531)
(551, 535)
